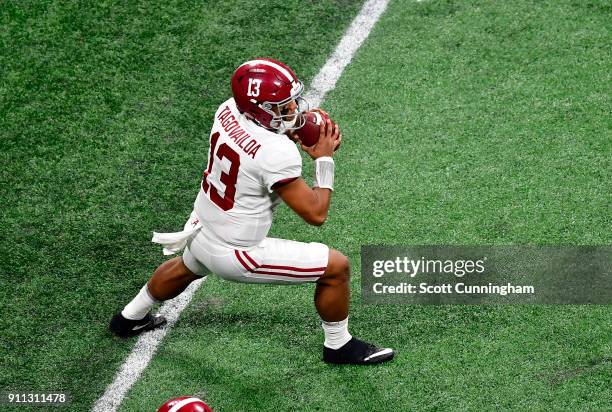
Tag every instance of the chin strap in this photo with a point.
(324, 172)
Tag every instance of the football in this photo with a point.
(185, 404)
(309, 133)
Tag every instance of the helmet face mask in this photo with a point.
(282, 120)
(264, 89)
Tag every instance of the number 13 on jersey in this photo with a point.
(228, 178)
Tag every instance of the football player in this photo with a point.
(253, 165)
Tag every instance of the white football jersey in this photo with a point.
(236, 200)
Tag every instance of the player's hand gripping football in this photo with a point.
(330, 138)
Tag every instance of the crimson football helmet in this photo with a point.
(261, 85)
(185, 404)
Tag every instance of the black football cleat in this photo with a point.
(357, 352)
(124, 327)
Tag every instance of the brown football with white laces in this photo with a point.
(309, 133)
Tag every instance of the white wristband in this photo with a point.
(324, 172)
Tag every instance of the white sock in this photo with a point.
(140, 305)
(336, 333)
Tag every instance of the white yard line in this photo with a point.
(355, 35)
(142, 352)
(323, 82)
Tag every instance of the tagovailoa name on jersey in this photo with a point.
(243, 140)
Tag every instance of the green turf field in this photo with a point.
(464, 122)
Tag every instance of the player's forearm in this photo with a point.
(321, 205)
(324, 185)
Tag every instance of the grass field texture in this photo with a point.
(464, 122)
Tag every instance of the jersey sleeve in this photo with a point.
(281, 165)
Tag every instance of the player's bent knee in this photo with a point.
(338, 267)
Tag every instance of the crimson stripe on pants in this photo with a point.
(242, 261)
(291, 275)
(293, 268)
